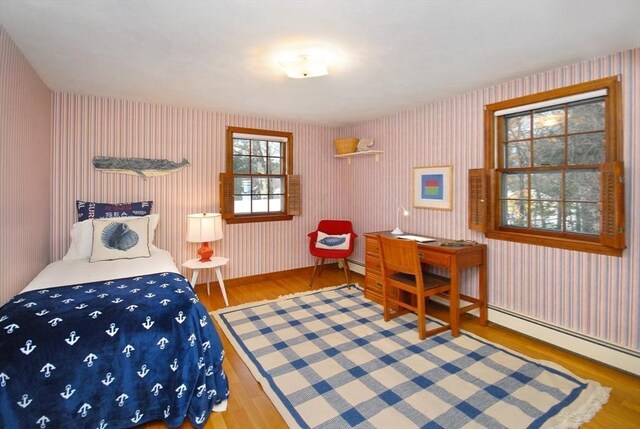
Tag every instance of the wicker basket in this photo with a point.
(346, 145)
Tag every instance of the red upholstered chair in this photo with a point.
(332, 228)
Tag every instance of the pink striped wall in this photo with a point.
(25, 120)
(589, 294)
(86, 126)
(598, 296)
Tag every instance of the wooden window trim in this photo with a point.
(257, 218)
(292, 182)
(484, 183)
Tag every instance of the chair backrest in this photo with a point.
(400, 256)
(335, 227)
(332, 227)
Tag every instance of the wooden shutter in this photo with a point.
(477, 199)
(226, 195)
(294, 206)
(613, 219)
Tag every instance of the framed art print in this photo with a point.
(433, 187)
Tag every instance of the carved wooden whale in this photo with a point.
(144, 167)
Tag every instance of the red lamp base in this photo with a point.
(205, 252)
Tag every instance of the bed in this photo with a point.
(109, 344)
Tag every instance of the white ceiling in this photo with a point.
(218, 55)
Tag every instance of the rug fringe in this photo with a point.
(323, 289)
(289, 295)
(576, 418)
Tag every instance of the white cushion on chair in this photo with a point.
(333, 242)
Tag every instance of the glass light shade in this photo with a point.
(304, 66)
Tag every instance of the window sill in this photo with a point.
(255, 218)
(558, 243)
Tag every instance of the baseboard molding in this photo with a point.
(261, 277)
(610, 354)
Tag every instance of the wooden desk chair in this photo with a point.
(405, 285)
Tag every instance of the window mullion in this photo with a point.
(262, 152)
(563, 199)
(557, 168)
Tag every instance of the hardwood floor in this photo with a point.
(249, 407)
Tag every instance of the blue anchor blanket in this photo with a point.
(111, 354)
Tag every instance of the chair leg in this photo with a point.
(386, 311)
(347, 273)
(422, 317)
(315, 269)
(439, 329)
(321, 266)
(385, 308)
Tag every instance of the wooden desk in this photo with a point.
(454, 259)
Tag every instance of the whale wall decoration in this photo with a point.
(144, 167)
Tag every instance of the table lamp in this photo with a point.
(203, 228)
(405, 212)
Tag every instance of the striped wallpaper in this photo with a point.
(598, 296)
(86, 126)
(25, 121)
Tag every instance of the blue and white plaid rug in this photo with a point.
(327, 359)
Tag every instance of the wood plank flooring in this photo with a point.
(250, 408)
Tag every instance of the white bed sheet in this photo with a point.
(64, 273)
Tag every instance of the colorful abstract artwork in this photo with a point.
(433, 187)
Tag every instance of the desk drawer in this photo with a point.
(373, 281)
(372, 263)
(373, 288)
(372, 246)
(434, 258)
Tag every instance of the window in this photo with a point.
(259, 185)
(554, 169)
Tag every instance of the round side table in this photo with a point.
(215, 263)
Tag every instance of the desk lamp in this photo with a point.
(202, 228)
(405, 212)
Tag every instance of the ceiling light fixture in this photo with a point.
(304, 66)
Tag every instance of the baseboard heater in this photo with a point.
(608, 353)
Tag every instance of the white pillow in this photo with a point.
(120, 238)
(334, 242)
(82, 238)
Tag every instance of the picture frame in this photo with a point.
(433, 187)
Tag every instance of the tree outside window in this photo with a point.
(553, 173)
(259, 184)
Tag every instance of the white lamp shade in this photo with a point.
(204, 227)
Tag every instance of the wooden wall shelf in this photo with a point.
(348, 156)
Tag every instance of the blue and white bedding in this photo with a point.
(109, 354)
